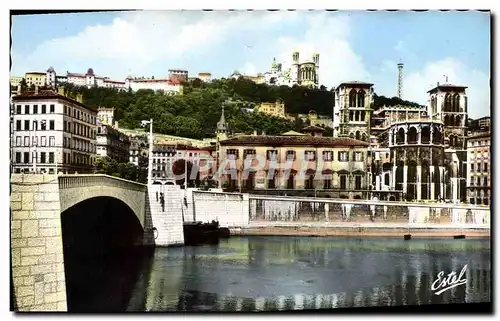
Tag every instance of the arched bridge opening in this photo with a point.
(102, 245)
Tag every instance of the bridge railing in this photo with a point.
(323, 210)
(92, 180)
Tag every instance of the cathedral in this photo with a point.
(302, 74)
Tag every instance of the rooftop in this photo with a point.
(49, 94)
(303, 140)
(355, 83)
(446, 87)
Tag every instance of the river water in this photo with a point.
(288, 273)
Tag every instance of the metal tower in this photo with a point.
(400, 80)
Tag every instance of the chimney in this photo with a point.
(437, 84)
(19, 89)
(36, 90)
(254, 133)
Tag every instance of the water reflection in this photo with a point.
(272, 273)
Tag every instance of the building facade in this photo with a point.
(35, 79)
(88, 79)
(15, 81)
(168, 86)
(205, 76)
(276, 109)
(139, 149)
(52, 133)
(167, 154)
(294, 162)
(479, 178)
(106, 116)
(112, 143)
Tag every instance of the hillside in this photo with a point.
(196, 113)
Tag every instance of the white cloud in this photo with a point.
(327, 35)
(417, 84)
(135, 40)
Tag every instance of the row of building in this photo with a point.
(305, 73)
(170, 85)
(395, 153)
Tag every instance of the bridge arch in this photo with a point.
(75, 189)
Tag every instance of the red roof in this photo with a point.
(48, 94)
(170, 82)
(306, 140)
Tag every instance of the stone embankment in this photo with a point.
(346, 229)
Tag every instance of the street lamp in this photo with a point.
(150, 158)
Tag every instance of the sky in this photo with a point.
(353, 45)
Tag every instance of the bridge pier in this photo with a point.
(36, 244)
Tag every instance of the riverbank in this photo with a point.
(346, 229)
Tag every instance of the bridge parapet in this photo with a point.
(91, 180)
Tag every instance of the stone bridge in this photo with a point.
(51, 216)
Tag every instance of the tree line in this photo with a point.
(195, 113)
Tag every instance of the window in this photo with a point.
(42, 157)
(44, 109)
(43, 141)
(327, 183)
(272, 154)
(472, 180)
(327, 156)
(26, 109)
(18, 109)
(51, 125)
(26, 157)
(485, 167)
(35, 141)
(18, 157)
(43, 125)
(64, 126)
(27, 125)
(343, 157)
(358, 156)
(479, 167)
(310, 155)
(357, 181)
(343, 181)
(52, 109)
(478, 180)
(471, 167)
(290, 155)
(18, 141)
(26, 141)
(18, 125)
(65, 110)
(51, 157)
(248, 153)
(232, 154)
(52, 141)
(35, 109)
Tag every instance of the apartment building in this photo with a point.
(479, 160)
(52, 133)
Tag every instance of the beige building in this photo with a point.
(276, 109)
(15, 81)
(205, 76)
(35, 78)
(479, 162)
(294, 162)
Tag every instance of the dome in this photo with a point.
(90, 72)
(51, 69)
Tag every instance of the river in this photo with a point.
(290, 273)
